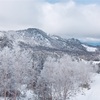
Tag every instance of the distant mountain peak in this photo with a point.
(32, 37)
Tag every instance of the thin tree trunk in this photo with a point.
(15, 95)
(5, 94)
(5, 87)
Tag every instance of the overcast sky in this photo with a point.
(67, 18)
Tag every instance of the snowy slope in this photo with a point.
(89, 49)
(93, 93)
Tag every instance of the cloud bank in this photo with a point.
(67, 18)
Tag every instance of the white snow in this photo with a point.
(96, 62)
(28, 94)
(93, 93)
(90, 49)
(1, 98)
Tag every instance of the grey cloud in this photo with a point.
(67, 19)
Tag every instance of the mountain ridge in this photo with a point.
(38, 40)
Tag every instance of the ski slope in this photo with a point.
(93, 93)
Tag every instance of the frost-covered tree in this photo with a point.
(15, 68)
(63, 77)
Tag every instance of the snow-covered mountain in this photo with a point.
(38, 40)
(33, 37)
